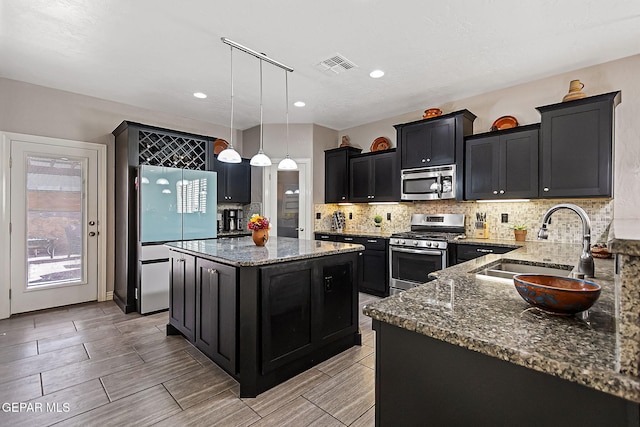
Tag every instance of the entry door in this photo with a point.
(286, 199)
(54, 229)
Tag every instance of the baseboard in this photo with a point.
(109, 296)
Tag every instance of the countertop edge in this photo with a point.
(624, 237)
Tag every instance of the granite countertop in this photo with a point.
(242, 252)
(235, 233)
(382, 234)
(624, 237)
(491, 318)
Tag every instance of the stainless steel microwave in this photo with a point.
(433, 183)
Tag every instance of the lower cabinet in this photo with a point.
(216, 312)
(374, 271)
(466, 252)
(182, 294)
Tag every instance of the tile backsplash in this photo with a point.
(565, 226)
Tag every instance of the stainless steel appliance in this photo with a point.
(414, 255)
(432, 183)
(230, 219)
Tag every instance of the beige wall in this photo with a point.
(37, 110)
(520, 101)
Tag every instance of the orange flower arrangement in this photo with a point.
(258, 222)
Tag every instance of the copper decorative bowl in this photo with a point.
(557, 295)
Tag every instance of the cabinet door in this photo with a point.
(441, 142)
(221, 169)
(360, 180)
(336, 177)
(182, 313)
(519, 165)
(286, 313)
(216, 313)
(337, 299)
(413, 146)
(576, 154)
(482, 173)
(374, 275)
(238, 182)
(386, 187)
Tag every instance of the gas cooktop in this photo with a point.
(430, 231)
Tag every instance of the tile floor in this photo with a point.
(91, 364)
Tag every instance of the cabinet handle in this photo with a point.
(490, 251)
(501, 191)
(324, 237)
(372, 241)
(423, 160)
(545, 189)
(349, 239)
(428, 159)
(212, 271)
(343, 197)
(495, 191)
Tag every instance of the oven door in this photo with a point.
(432, 184)
(411, 267)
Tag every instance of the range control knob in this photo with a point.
(402, 242)
(427, 244)
(415, 243)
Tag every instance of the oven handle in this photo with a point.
(416, 251)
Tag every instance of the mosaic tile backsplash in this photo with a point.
(565, 226)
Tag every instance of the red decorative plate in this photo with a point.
(504, 122)
(380, 143)
(219, 145)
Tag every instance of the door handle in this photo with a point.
(302, 229)
(92, 233)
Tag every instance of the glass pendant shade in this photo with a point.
(287, 164)
(229, 155)
(260, 159)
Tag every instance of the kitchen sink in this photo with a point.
(504, 270)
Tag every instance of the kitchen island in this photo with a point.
(265, 314)
(461, 350)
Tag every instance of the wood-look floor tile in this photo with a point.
(223, 410)
(18, 351)
(133, 380)
(17, 336)
(342, 361)
(326, 421)
(366, 420)
(106, 319)
(160, 348)
(46, 345)
(80, 398)
(347, 395)
(144, 408)
(298, 412)
(151, 320)
(77, 313)
(21, 390)
(272, 399)
(110, 307)
(76, 373)
(369, 338)
(113, 346)
(369, 361)
(199, 385)
(41, 363)
(16, 322)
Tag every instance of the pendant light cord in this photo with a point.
(261, 127)
(286, 95)
(231, 126)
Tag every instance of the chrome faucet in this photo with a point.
(586, 259)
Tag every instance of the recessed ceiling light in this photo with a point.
(299, 104)
(200, 95)
(376, 74)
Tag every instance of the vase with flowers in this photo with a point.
(260, 226)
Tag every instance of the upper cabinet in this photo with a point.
(374, 177)
(502, 164)
(435, 141)
(576, 147)
(234, 180)
(336, 174)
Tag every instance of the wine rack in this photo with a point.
(160, 149)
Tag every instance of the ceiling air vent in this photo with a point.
(336, 63)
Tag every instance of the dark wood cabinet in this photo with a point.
(467, 252)
(234, 180)
(182, 294)
(576, 150)
(216, 312)
(336, 174)
(374, 177)
(502, 164)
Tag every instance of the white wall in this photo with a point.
(37, 110)
(520, 101)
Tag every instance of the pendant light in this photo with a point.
(261, 159)
(287, 163)
(229, 155)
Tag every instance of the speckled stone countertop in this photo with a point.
(491, 318)
(242, 252)
(624, 237)
(384, 235)
(236, 233)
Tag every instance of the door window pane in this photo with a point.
(54, 223)
(288, 203)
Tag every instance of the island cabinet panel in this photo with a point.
(576, 153)
(421, 380)
(216, 312)
(182, 294)
(287, 322)
(502, 165)
(373, 278)
(337, 300)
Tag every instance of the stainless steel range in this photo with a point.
(415, 254)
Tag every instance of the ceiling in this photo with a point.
(156, 53)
